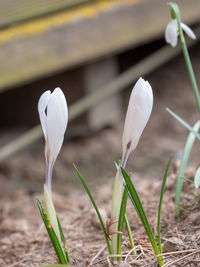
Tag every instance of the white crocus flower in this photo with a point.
(171, 32)
(138, 113)
(53, 114)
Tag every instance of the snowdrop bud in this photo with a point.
(188, 31)
(137, 116)
(53, 114)
(171, 32)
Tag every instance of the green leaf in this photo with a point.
(141, 213)
(54, 240)
(197, 178)
(121, 221)
(161, 200)
(63, 238)
(95, 207)
(184, 161)
(184, 123)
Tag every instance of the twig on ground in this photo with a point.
(178, 252)
(192, 262)
(97, 255)
(180, 259)
(138, 256)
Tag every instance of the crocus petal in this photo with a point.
(57, 118)
(171, 33)
(137, 116)
(42, 105)
(188, 31)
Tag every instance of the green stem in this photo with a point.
(121, 222)
(184, 162)
(189, 65)
(115, 211)
(128, 227)
(63, 239)
(142, 215)
(161, 201)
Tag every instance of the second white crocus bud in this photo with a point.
(171, 32)
(138, 113)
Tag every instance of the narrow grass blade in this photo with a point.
(128, 227)
(184, 123)
(95, 207)
(184, 161)
(161, 201)
(197, 178)
(63, 239)
(121, 222)
(141, 213)
(54, 240)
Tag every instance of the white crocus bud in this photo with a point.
(53, 114)
(171, 32)
(138, 113)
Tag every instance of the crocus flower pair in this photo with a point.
(53, 114)
(171, 32)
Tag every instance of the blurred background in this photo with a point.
(94, 50)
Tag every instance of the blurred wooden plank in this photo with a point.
(12, 11)
(123, 80)
(96, 75)
(59, 42)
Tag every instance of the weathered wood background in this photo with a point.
(41, 37)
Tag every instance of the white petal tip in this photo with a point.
(188, 31)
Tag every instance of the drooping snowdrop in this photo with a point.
(171, 32)
(53, 114)
(138, 113)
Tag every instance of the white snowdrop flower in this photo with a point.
(138, 113)
(171, 32)
(53, 112)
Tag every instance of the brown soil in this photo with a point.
(23, 238)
